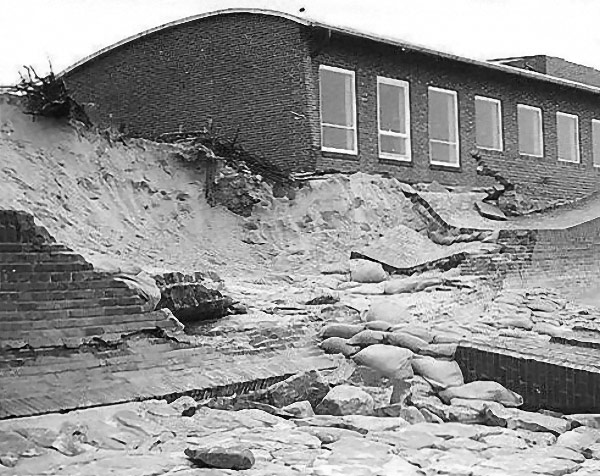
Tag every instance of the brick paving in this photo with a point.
(52, 383)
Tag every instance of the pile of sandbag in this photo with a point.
(419, 363)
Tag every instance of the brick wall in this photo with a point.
(50, 295)
(548, 376)
(543, 176)
(256, 77)
(244, 72)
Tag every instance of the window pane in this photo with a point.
(393, 145)
(337, 98)
(530, 131)
(445, 153)
(336, 138)
(596, 142)
(442, 116)
(392, 108)
(567, 138)
(487, 125)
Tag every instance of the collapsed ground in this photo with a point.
(136, 203)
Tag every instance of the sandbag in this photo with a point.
(337, 345)
(345, 331)
(410, 285)
(387, 310)
(441, 374)
(367, 337)
(414, 330)
(390, 361)
(382, 326)
(446, 351)
(402, 339)
(365, 271)
(483, 390)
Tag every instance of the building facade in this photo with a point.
(310, 96)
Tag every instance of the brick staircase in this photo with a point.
(51, 296)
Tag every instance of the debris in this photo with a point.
(237, 458)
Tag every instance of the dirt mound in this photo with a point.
(139, 202)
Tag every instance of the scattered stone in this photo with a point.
(303, 386)
(371, 423)
(505, 440)
(487, 210)
(346, 400)
(401, 391)
(329, 435)
(591, 420)
(408, 438)
(14, 446)
(339, 345)
(237, 458)
(365, 271)
(430, 417)
(432, 406)
(183, 403)
(483, 390)
(301, 409)
(321, 300)
(390, 361)
(328, 421)
(411, 414)
(513, 419)
(580, 439)
(439, 373)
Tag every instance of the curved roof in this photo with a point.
(345, 31)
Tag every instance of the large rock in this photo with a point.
(483, 390)
(309, 386)
(514, 419)
(580, 439)
(365, 271)
(192, 301)
(346, 400)
(237, 458)
(301, 409)
(388, 360)
(441, 374)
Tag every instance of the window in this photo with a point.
(488, 123)
(531, 140)
(567, 133)
(596, 142)
(338, 110)
(443, 127)
(393, 119)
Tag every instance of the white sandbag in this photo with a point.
(441, 374)
(365, 271)
(345, 331)
(483, 390)
(390, 361)
(407, 341)
(388, 310)
(367, 337)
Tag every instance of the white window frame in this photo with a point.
(594, 162)
(500, 125)
(405, 87)
(577, 144)
(541, 116)
(354, 151)
(445, 164)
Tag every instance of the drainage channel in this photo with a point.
(555, 375)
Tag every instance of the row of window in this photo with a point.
(339, 134)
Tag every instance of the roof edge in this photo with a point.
(346, 31)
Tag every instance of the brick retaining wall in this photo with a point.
(50, 295)
(547, 375)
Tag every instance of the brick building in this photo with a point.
(307, 95)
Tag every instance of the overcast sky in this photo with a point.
(64, 31)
